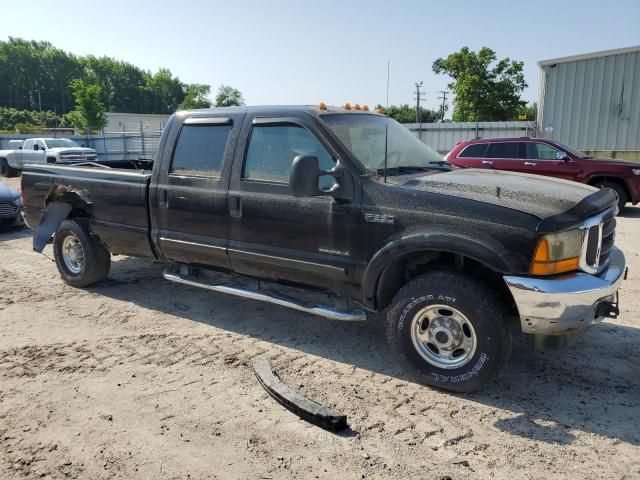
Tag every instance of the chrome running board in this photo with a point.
(321, 311)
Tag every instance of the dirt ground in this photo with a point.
(141, 378)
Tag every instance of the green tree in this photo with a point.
(406, 114)
(196, 96)
(89, 114)
(228, 96)
(528, 112)
(484, 88)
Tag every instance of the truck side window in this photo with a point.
(200, 150)
(28, 145)
(272, 148)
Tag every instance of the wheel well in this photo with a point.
(618, 181)
(408, 267)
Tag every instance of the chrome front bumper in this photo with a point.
(567, 303)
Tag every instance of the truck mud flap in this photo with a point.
(302, 406)
(54, 215)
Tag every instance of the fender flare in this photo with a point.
(60, 202)
(483, 249)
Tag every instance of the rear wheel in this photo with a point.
(81, 258)
(6, 170)
(449, 330)
(618, 189)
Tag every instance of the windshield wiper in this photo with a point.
(408, 169)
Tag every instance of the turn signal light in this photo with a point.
(542, 265)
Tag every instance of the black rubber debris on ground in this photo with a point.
(295, 401)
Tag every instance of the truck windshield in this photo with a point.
(370, 137)
(61, 143)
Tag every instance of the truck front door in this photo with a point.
(276, 235)
(190, 218)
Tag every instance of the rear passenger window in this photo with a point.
(200, 150)
(272, 149)
(503, 150)
(476, 150)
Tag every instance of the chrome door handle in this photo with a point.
(530, 164)
(487, 162)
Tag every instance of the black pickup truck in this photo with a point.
(349, 207)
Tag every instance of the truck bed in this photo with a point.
(118, 200)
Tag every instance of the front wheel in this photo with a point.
(6, 170)
(449, 331)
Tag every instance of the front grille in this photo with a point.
(598, 241)
(608, 237)
(8, 209)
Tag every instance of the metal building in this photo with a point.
(592, 102)
(135, 122)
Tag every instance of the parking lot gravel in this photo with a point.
(140, 378)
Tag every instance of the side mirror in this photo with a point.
(36, 147)
(305, 174)
(303, 179)
(563, 156)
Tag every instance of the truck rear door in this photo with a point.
(189, 198)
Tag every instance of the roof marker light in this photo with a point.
(347, 106)
(356, 106)
(322, 106)
(365, 108)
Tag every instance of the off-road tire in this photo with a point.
(6, 170)
(623, 197)
(483, 309)
(97, 260)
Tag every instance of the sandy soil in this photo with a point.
(141, 378)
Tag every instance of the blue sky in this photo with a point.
(303, 52)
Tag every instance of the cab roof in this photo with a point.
(280, 109)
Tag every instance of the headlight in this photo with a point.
(557, 253)
(636, 171)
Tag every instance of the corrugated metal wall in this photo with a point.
(443, 136)
(593, 103)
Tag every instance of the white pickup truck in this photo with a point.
(43, 150)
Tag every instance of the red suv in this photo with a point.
(547, 157)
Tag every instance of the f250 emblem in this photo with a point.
(379, 218)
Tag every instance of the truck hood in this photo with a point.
(72, 150)
(558, 202)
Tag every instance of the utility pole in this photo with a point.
(443, 97)
(388, 69)
(419, 96)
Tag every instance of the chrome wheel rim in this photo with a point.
(72, 254)
(443, 336)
